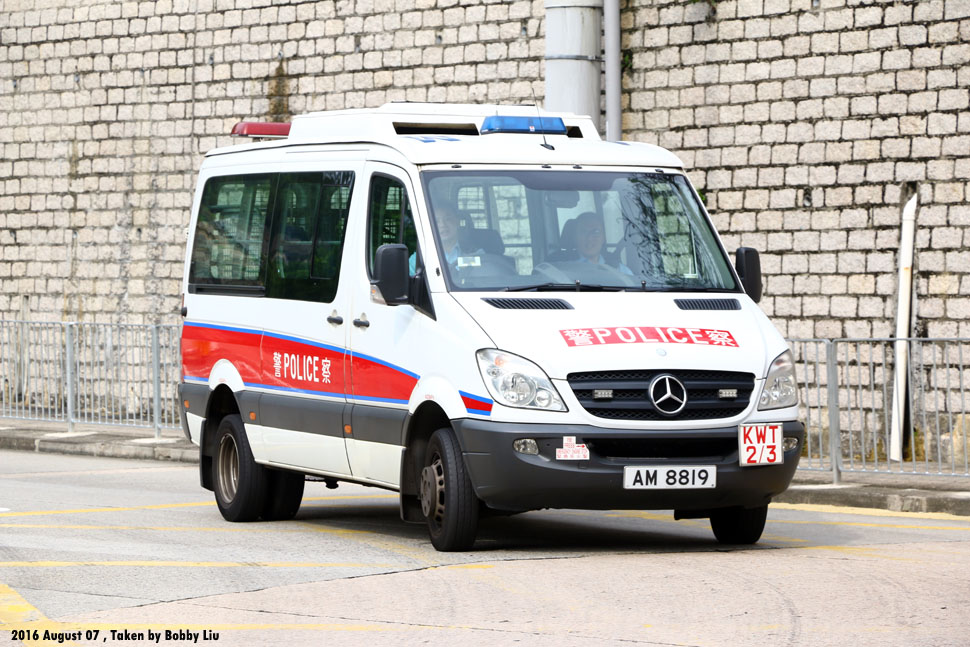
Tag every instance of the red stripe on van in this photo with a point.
(291, 364)
(377, 381)
(202, 347)
(477, 404)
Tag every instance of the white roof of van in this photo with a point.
(447, 133)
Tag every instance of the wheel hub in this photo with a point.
(433, 490)
(228, 468)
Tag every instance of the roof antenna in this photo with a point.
(542, 128)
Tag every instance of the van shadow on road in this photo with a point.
(534, 532)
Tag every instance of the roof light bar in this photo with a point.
(264, 130)
(524, 125)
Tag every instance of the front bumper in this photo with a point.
(507, 480)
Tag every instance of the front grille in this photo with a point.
(663, 448)
(631, 400)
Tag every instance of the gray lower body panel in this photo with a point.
(197, 395)
(508, 480)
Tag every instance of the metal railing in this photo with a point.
(858, 420)
(123, 374)
(109, 374)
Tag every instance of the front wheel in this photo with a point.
(448, 499)
(239, 482)
(739, 525)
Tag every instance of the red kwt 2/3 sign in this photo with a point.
(760, 444)
(648, 335)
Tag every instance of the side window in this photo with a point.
(230, 231)
(309, 221)
(390, 219)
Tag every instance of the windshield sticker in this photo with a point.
(648, 335)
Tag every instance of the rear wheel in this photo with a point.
(284, 494)
(739, 525)
(239, 483)
(448, 499)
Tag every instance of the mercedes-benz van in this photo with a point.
(482, 308)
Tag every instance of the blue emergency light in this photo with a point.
(523, 125)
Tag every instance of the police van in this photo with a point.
(483, 308)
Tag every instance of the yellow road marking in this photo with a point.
(160, 506)
(15, 611)
(263, 528)
(351, 496)
(640, 514)
(861, 551)
(866, 512)
(127, 470)
(420, 555)
(862, 524)
(55, 564)
(13, 608)
(783, 539)
(166, 506)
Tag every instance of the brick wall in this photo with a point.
(106, 108)
(800, 124)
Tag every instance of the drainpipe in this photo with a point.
(611, 54)
(903, 313)
(573, 56)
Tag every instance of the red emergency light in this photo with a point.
(264, 130)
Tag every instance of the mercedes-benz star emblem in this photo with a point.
(668, 394)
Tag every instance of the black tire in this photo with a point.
(739, 525)
(448, 499)
(239, 483)
(284, 494)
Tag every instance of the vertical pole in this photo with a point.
(156, 383)
(907, 238)
(69, 373)
(574, 71)
(835, 431)
(611, 50)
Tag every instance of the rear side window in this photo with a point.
(230, 231)
(310, 218)
(391, 220)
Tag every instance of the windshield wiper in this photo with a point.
(562, 287)
(673, 288)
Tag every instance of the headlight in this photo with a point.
(517, 382)
(781, 387)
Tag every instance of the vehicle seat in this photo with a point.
(487, 240)
(567, 243)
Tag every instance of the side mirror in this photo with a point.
(748, 264)
(391, 273)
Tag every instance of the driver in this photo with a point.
(590, 237)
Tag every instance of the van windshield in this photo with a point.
(569, 230)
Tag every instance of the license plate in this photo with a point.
(760, 444)
(670, 477)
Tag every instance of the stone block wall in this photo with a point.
(106, 108)
(803, 122)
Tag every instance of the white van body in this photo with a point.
(491, 376)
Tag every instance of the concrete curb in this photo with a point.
(856, 495)
(105, 445)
